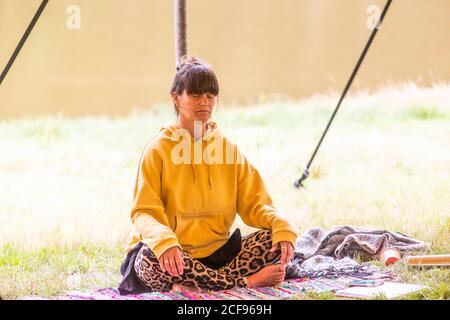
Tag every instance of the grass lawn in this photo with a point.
(67, 183)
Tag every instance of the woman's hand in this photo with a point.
(172, 261)
(287, 251)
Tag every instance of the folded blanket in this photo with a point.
(318, 249)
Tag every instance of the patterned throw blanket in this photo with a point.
(318, 249)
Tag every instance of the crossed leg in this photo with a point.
(254, 255)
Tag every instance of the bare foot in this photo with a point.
(267, 276)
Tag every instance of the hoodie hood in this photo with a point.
(176, 133)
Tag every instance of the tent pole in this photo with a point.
(180, 29)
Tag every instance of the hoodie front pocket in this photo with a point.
(200, 224)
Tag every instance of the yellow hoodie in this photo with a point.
(187, 194)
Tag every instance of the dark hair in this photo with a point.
(195, 76)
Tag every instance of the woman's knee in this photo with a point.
(261, 238)
(256, 250)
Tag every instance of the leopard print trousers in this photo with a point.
(253, 256)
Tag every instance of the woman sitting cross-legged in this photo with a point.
(191, 183)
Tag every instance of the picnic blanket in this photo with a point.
(318, 249)
(293, 289)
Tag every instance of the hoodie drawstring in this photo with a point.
(209, 179)
(208, 169)
(209, 173)
(195, 172)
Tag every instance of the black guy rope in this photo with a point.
(22, 41)
(299, 183)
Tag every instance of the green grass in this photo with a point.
(53, 271)
(67, 183)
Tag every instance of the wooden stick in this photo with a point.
(430, 260)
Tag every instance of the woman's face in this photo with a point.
(195, 107)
